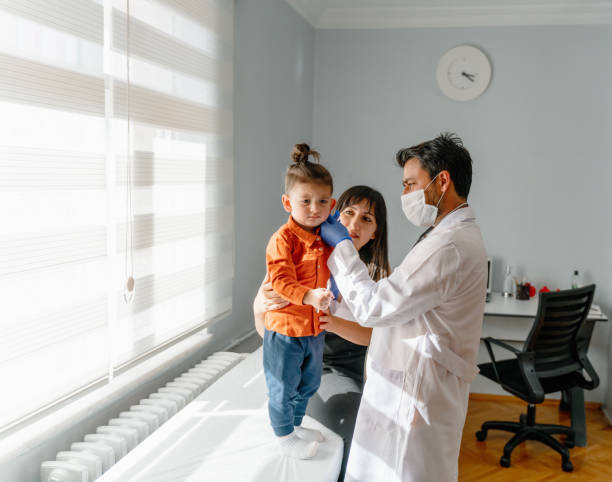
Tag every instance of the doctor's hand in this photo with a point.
(268, 300)
(319, 298)
(333, 231)
(333, 287)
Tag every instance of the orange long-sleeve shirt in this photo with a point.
(297, 263)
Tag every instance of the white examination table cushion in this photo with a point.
(225, 435)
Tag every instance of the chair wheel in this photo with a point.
(481, 435)
(567, 466)
(505, 461)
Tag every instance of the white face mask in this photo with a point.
(417, 210)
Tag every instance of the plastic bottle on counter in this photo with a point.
(508, 283)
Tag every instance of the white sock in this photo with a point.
(308, 434)
(296, 448)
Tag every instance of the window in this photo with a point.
(115, 162)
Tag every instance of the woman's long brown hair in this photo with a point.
(375, 254)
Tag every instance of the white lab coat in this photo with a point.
(427, 318)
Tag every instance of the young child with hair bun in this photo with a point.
(296, 259)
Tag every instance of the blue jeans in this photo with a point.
(292, 366)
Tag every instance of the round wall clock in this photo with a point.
(464, 72)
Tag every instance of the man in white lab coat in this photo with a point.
(427, 317)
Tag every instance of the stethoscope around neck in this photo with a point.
(465, 204)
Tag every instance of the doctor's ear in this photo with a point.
(444, 180)
(286, 203)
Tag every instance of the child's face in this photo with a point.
(309, 204)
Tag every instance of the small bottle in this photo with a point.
(508, 283)
(576, 281)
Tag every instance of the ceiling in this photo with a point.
(451, 13)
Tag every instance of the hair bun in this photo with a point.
(301, 152)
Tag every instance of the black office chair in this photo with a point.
(552, 360)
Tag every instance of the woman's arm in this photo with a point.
(349, 330)
(258, 313)
(266, 300)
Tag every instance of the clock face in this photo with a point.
(463, 73)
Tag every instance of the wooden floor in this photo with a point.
(532, 461)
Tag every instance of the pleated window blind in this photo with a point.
(115, 162)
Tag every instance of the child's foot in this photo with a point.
(308, 434)
(294, 447)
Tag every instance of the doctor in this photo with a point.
(427, 316)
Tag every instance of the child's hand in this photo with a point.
(319, 298)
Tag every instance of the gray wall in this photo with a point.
(273, 109)
(540, 137)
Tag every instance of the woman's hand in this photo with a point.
(328, 322)
(269, 299)
(266, 300)
(349, 330)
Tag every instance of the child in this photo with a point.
(296, 259)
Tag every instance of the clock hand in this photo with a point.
(470, 77)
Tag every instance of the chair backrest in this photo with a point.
(553, 337)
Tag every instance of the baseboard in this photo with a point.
(607, 414)
(488, 397)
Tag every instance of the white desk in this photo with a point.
(511, 320)
(500, 306)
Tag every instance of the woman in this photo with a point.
(364, 213)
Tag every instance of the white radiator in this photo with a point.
(88, 460)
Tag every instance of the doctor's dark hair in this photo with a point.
(302, 170)
(444, 153)
(375, 252)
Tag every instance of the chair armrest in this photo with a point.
(497, 342)
(487, 342)
(526, 360)
(586, 365)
